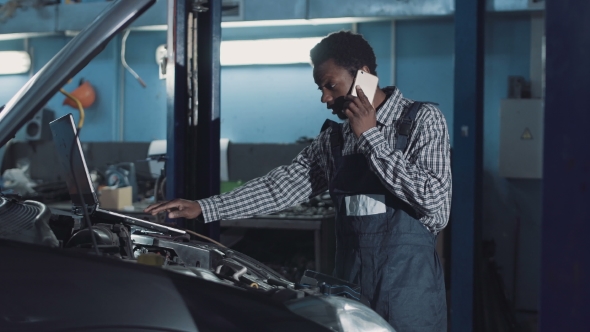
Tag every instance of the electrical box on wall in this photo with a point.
(521, 138)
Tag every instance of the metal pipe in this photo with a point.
(240, 273)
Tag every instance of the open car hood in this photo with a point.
(67, 63)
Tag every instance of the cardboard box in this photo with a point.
(116, 199)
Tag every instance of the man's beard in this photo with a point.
(338, 108)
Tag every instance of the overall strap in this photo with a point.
(336, 140)
(405, 125)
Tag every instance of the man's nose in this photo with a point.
(326, 97)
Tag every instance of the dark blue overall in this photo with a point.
(390, 254)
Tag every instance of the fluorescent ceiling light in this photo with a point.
(266, 51)
(296, 22)
(276, 23)
(14, 62)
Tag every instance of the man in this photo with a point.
(391, 199)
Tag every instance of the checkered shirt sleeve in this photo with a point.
(281, 188)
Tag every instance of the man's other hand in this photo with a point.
(177, 208)
(361, 114)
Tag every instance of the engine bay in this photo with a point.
(32, 222)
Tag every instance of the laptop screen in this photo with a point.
(72, 161)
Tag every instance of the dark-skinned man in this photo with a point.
(387, 168)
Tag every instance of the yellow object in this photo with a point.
(151, 259)
(526, 134)
(80, 108)
(84, 93)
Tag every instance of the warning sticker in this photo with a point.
(526, 134)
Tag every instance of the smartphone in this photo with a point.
(367, 82)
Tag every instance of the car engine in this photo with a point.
(330, 302)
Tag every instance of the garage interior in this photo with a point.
(197, 97)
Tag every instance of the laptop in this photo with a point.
(74, 169)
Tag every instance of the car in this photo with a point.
(79, 271)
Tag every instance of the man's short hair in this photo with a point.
(348, 50)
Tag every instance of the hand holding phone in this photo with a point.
(360, 111)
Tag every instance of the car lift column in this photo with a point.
(467, 162)
(207, 177)
(565, 265)
(192, 88)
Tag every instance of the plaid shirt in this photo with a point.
(420, 175)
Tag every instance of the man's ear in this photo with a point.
(366, 70)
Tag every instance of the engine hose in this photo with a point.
(240, 273)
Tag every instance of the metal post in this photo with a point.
(565, 266)
(177, 106)
(193, 104)
(467, 161)
(206, 81)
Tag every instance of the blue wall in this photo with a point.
(424, 62)
(252, 96)
(424, 71)
(512, 208)
(279, 104)
(144, 108)
(380, 36)
(267, 104)
(101, 73)
(144, 112)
